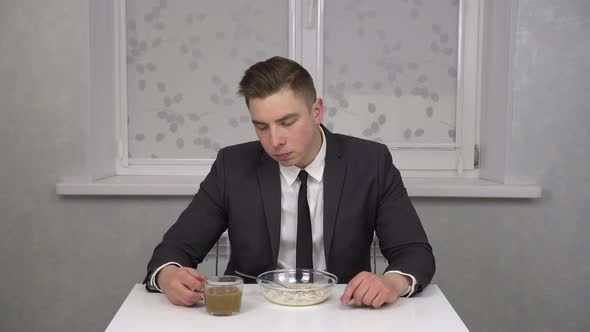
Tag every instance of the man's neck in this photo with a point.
(318, 141)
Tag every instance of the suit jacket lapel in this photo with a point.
(270, 187)
(334, 172)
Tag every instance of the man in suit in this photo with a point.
(301, 196)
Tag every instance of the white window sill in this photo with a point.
(175, 185)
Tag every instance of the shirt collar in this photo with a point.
(315, 169)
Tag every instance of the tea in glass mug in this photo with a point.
(223, 295)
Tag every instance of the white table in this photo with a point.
(427, 311)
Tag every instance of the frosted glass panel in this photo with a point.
(184, 61)
(390, 69)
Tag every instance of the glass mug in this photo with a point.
(223, 295)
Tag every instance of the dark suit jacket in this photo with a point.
(363, 193)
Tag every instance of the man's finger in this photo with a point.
(185, 301)
(196, 274)
(193, 284)
(189, 297)
(371, 293)
(350, 288)
(194, 297)
(177, 298)
(360, 292)
(189, 280)
(378, 300)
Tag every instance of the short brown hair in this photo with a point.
(267, 77)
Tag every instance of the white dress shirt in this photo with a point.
(315, 198)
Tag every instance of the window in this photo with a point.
(401, 72)
(390, 74)
(432, 162)
(184, 60)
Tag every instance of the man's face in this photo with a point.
(288, 131)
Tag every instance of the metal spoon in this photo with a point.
(262, 280)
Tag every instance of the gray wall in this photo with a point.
(505, 265)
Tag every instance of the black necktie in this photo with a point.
(304, 242)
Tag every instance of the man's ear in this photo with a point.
(318, 111)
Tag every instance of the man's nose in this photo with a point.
(276, 137)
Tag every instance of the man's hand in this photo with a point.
(372, 290)
(182, 285)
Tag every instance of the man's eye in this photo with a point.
(287, 123)
(261, 127)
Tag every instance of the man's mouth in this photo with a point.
(283, 156)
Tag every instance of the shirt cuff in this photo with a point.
(411, 288)
(153, 278)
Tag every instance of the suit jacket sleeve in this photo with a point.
(402, 239)
(199, 226)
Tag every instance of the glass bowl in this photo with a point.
(305, 287)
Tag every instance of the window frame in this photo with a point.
(306, 28)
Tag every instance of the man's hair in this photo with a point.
(268, 77)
